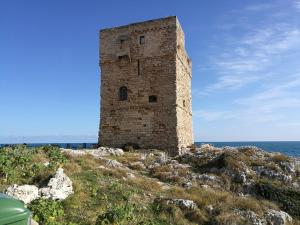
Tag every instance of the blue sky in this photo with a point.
(246, 72)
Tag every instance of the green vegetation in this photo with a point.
(287, 198)
(22, 165)
(104, 195)
(47, 212)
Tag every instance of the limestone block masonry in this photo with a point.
(146, 86)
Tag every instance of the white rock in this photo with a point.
(183, 203)
(207, 147)
(74, 152)
(25, 193)
(251, 217)
(59, 187)
(274, 217)
(210, 209)
(130, 175)
(105, 151)
(288, 167)
(100, 152)
(33, 222)
(114, 163)
(138, 164)
(187, 184)
(241, 178)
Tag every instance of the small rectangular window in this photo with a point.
(152, 98)
(139, 67)
(142, 40)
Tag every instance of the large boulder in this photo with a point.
(59, 187)
(274, 217)
(25, 193)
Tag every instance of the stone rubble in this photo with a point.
(25, 193)
(58, 188)
(251, 217)
(97, 153)
(274, 217)
(183, 203)
(114, 164)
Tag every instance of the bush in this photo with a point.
(46, 211)
(287, 198)
(280, 158)
(15, 164)
(22, 165)
(117, 215)
(56, 158)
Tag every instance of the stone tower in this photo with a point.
(146, 86)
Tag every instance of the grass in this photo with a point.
(103, 194)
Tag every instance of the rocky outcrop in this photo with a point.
(100, 152)
(251, 217)
(183, 203)
(59, 187)
(278, 217)
(114, 164)
(25, 193)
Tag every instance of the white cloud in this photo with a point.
(211, 115)
(259, 7)
(250, 57)
(297, 4)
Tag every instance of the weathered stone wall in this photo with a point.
(152, 68)
(183, 92)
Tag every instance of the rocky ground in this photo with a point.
(206, 185)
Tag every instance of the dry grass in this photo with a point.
(145, 184)
(229, 218)
(168, 174)
(280, 158)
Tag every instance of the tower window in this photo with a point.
(122, 43)
(183, 103)
(139, 67)
(152, 98)
(123, 93)
(142, 40)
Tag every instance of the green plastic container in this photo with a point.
(13, 211)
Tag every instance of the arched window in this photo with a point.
(123, 93)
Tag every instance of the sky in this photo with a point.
(245, 54)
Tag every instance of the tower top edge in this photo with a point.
(164, 19)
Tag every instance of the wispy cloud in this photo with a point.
(259, 7)
(297, 4)
(248, 58)
(283, 95)
(251, 55)
(262, 107)
(210, 115)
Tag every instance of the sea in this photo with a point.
(291, 148)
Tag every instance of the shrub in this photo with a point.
(117, 215)
(20, 165)
(15, 164)
(287, 198)
(46, 211)
(280, 158)
(55, 155)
